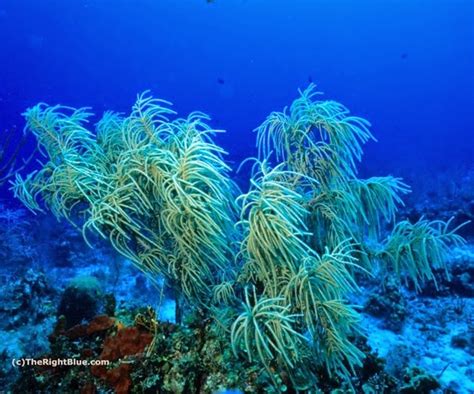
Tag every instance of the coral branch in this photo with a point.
(10, 148)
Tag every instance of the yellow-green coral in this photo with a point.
(265, 331)
(159, 190)
(414, 249)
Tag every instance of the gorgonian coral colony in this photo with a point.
(275, 266)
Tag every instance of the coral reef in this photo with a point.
(461, 280)
(34, 274)
(273, 268)
(81, 300)
(191, 359)
(184, 360)
(464, 340)
(435, 337)
(389, 304)
(25, 300)
(26, 303)
(416, 381)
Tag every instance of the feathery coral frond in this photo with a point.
(318, 138)
(160, 191)
(266, 330)
(414, 249)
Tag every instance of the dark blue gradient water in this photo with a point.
(407, 66)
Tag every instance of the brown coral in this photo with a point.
(118, 378)
(127, 342)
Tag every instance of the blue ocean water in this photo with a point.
(405, 66)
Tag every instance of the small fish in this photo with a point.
(220, 81)
(310, 79)
(404, 55)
